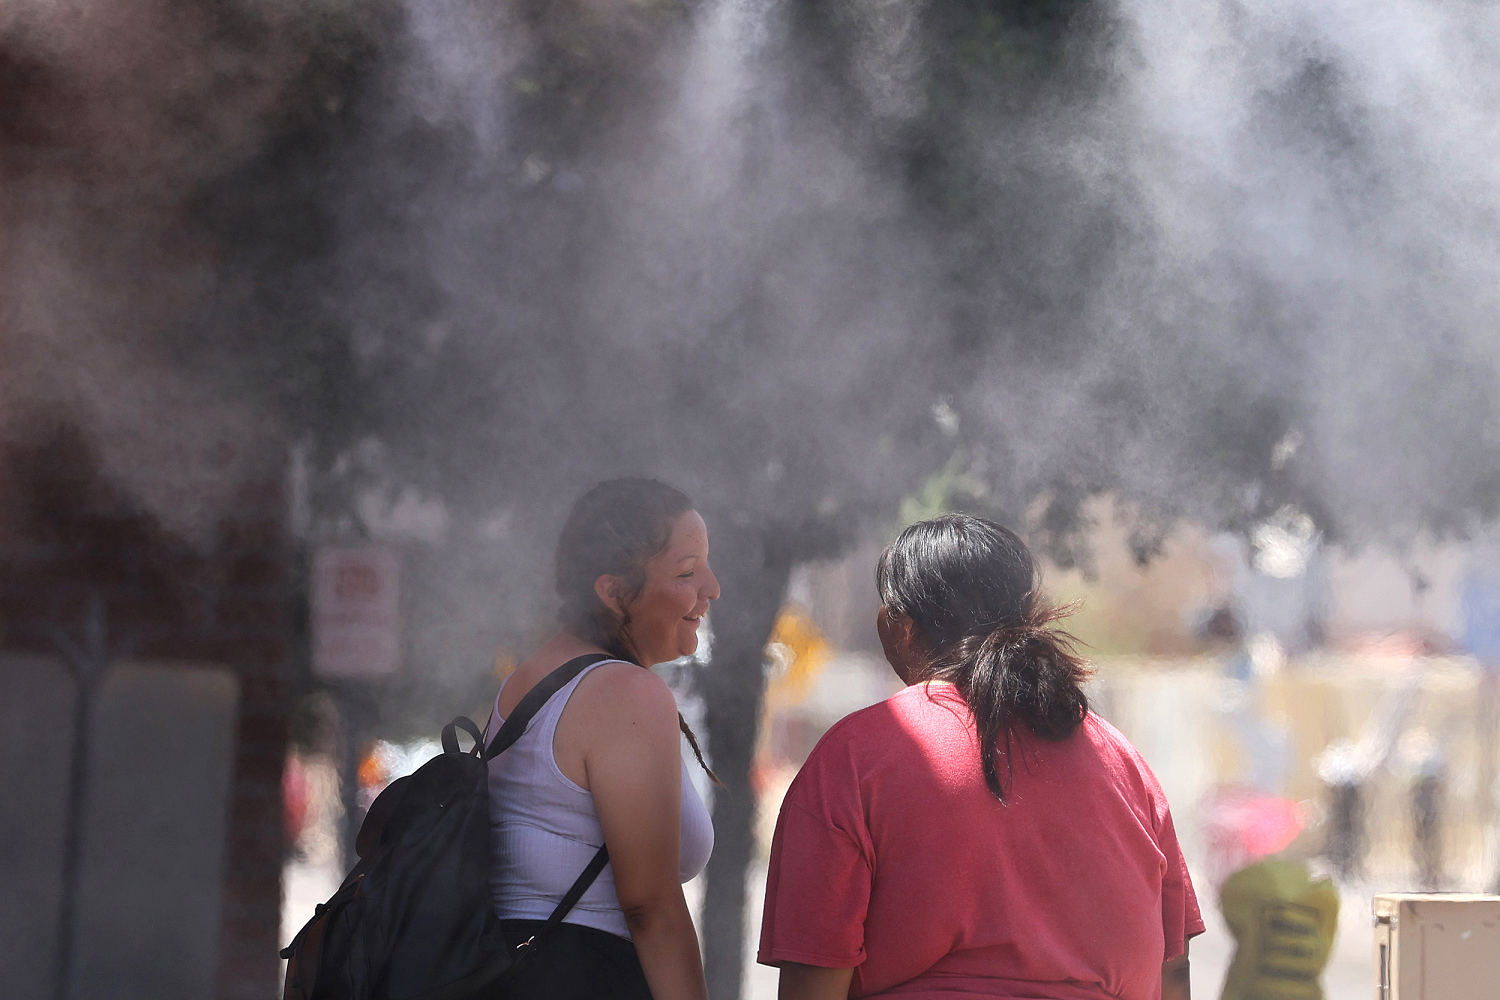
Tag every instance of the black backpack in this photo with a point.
(413, 920)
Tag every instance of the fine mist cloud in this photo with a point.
(1214, 258)
(1309, 207)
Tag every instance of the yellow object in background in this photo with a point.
(798, 651)
(505, 664)
(1283, 921)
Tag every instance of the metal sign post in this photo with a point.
(89, 661)
(356, 639)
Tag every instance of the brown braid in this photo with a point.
(687, 731)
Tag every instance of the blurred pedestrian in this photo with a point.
(601, 763)
(980, 833)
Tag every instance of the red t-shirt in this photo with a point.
(891, 857)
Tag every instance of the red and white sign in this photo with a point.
(356, 626)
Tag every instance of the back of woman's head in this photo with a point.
(956, 576)
(615, 528)
(970, 588)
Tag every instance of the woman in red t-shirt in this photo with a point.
(980, 833)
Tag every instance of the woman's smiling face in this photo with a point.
(663, 619)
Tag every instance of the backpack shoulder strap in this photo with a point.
(571, 897)
(515, 725)
(516, 722)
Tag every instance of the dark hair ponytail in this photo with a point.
(970, 588)
(616, 528)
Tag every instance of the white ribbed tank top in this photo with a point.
(544, 830)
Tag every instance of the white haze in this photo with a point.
(1301, 207)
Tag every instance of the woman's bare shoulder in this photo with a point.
(627, 693)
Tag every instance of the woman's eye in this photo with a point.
(685, 576)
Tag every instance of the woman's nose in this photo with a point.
(711, 590)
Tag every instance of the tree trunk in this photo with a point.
(753, 575)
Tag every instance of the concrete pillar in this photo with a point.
(37, 699)
(145, 915)
(151, 873)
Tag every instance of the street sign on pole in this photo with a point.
(356, 626)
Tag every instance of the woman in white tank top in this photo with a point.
(603, 763)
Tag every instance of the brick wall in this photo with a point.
(69, 540)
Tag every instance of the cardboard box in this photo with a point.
(1437, 946)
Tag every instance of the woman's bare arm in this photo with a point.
(1175, 984)
(634, 767)
(811, 982)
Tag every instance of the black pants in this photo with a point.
(573, 963)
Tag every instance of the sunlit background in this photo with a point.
(315, 315)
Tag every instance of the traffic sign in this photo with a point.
(356, 626)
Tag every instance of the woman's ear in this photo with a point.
(898, 639)
(610, 590)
